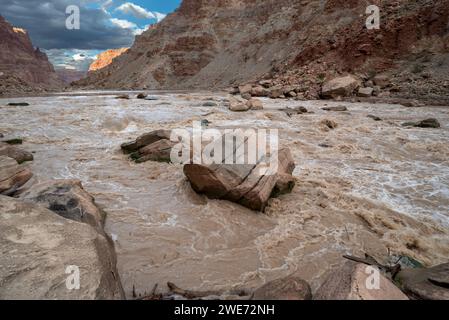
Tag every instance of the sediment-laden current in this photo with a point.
(363, 186)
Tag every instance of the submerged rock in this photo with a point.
(13, 141)
(210, 104)
(428, 123)
(68, 199)
(288, 288)
(16, 153)
(45, 251)
(12, 176)
(337, 108)
(18, 104)
(350, 283)
(123, 96)
(375, 118)
(425, 283)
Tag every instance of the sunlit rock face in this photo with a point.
(21, 65)
(105, 58)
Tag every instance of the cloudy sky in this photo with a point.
(104, 24)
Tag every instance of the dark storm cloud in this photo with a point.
(45, 22)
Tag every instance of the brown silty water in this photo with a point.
(364, 186)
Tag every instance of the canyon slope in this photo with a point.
(22, 67)
(222, 43)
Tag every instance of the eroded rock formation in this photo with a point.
(105, 58)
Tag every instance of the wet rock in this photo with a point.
(295, 110)
(255, 104)
(238, 105)
(18, 104)
(12, 176)
(411, 104)
(365, 92)
(246, 184)
(425, 283)
(289, 288)
(375, 118)
(42, 246)
(14, 141)
(145, 140)
(337, 108)
(157, 151)
(350, 283)
(151, 98)
(16, 153)
(428, 123)
(141, 96)
(330, 124)
(210, 104)
(123, 96)
(340, 87)
(68, 199)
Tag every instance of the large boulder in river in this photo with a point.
(145, 140)
(425, 283)
(14, 152)
(340, 87)
(352, 282)
(12, 175)
(246, 184)
(42, 253)
(288, 288)
(68, 199)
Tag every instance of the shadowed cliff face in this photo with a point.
(20, 63)
(220, 43)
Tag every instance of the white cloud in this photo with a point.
(107, 4)
(124, 24)
(136, 11)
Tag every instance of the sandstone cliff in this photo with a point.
(217, 43)
(105, 58)
(22, 67)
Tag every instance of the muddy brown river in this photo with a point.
(365, 186)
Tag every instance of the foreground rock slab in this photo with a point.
(12, 176)
(288, 288)
(68, 199)
(16, 153)
(37, 248)
(349, 283)
(425, 283)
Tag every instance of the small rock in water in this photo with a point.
(210, 104)
(365, 92)
(255, 104)
(295, 110)
(375, 118)
(151, 98)
(428, 123)
(205, 123)
(338, 108)
(329, 123)
(141, 96)
(325, 145)
(18, 104)
(124, 96)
